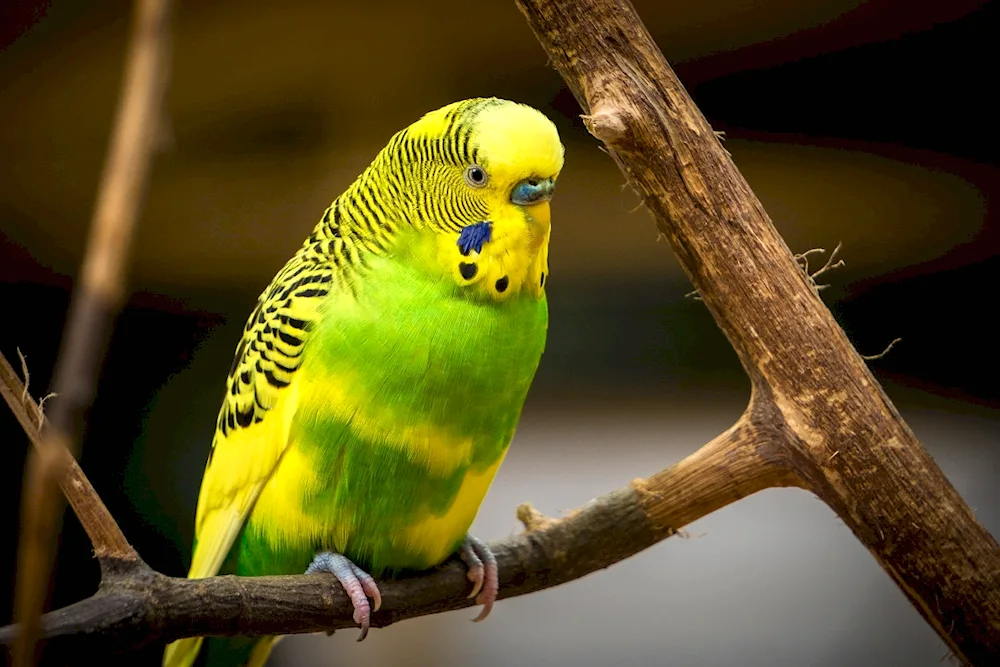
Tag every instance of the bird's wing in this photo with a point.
(252, 431)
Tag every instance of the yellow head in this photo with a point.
(480, 173)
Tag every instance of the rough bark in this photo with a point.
(833, 425)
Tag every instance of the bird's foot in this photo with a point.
(358, 584)
(483, 573)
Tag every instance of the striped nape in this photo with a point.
(415, 180)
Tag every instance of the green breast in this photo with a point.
(427, 352)
(407, 392)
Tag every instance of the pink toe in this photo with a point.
(362, 616)
(491, 587)
(362, 610)
(357, 583)
(483, 571)
(369, 586)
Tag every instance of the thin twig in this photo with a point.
(104, 533)
(803, 260)
(873, 357)
(95, 302)
(829, 263)
(41, 408)
(25, 373)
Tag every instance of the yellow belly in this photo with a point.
(435, 537)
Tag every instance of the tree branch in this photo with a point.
(137, 606)
(845, 440)
(95, 303)
(107, 538)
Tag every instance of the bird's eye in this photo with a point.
(475, 176)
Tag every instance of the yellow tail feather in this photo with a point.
(216, 537)
(261, 651)
(182, 653)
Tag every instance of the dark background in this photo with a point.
(867, 123)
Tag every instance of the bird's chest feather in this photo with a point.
(408, 397)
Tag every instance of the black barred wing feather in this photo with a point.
(273, 340)
(256, 415)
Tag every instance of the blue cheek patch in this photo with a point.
(473, 237)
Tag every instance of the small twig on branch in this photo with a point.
(24, 372)
(873, 357)
(104, 533)
(95, 302)
(721, 136)
(803, 260)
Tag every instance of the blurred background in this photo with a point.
(867, 123)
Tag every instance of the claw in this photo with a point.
(483, 573)
(369, 586)
(358, 584)
(476, 573)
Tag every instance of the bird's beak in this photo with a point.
(532, 191)
(540, 214)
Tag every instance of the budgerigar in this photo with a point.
(380, 378)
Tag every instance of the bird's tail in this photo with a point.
(221, 651)
(261, 650)
(213, 543)
(182, 653)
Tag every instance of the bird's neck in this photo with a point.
(375, 217)
(367, 213)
